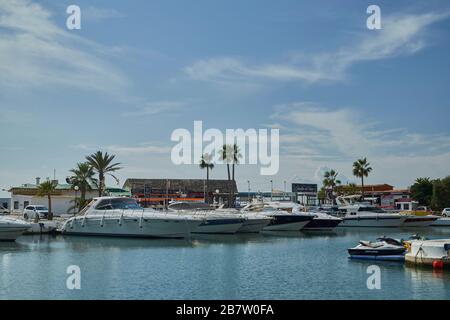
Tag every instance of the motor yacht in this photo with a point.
(322, 222)
(11, 229)
(363, 215)
(120, 216)
(214, 221)
(282, 215)
(383, 249)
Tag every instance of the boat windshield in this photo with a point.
(119, 203)
(190, 206)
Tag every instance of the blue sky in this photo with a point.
(138, 70)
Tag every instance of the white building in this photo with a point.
(62, 199)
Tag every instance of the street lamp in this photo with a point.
(271, 190)
(76, 188)
(248, 194)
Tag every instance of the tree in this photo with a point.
(361, 169)
(330, 181)
(235, 157)
(441, 194)
(103, 165)
(226, 156)
(83, 177)
(347, 190)
(422, 191)
(205, 163)
(47, 188)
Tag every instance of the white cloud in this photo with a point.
(401, 35)
(96, 14)
(321, 132)
(152, 108)
(36, 52)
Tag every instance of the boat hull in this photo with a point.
(288, 222)
(219, 226)
(253, 225)
(373, 222)
(441, 222)
(419, 221)
(134, 227)
(11, 234)
(318, 224)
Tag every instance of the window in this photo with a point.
(124, 203)
(104, 205)
(5, 205)
(26, 204)
(16, 205)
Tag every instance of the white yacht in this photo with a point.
(214, 221)
(119, 216)
(11, 229)
(283, 219)
(366, 215)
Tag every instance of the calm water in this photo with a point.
(294, 266)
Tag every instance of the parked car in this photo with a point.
(3, 210)
(31, 211)
(446, 212)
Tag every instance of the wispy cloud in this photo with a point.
(124, 150)
(156, 107)
(92, 13)
(316, 131)
(401, 35)
(36, 52)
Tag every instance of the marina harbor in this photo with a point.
(225, 159)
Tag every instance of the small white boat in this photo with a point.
(123, 217)
(429, 252)
(11, 229)
(384, 249)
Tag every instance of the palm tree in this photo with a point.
(235, 156)
(205, 163)
(47, 188)
(361, 169)
(83, 178)
(102, 164)
(226, 156)
(331, 181)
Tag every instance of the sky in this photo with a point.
(136, 71)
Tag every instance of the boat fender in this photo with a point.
(121, 220)
(140, 222)
(438, 264)
(102, 220)
(71, 223)
(83, 223)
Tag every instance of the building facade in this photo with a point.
(158, 192)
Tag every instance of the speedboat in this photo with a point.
(11, 229)
(322, 222)
(434, 253)
(283, 219)
(119, 216)
(254, 222)
(386, 249)
(214, 221)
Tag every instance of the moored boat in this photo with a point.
(434, 253)
(123, 217)
(384, 249)
(11, 229)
